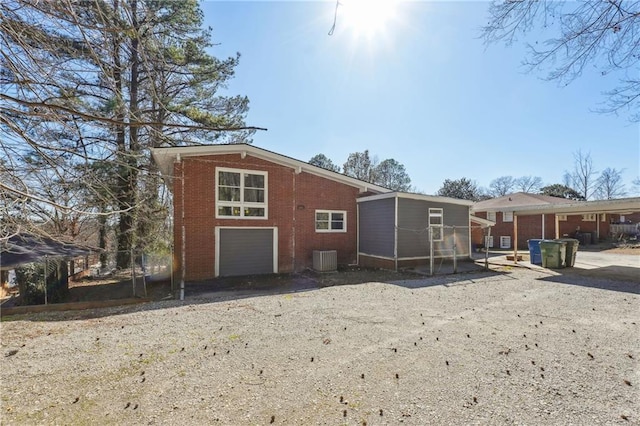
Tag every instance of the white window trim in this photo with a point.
(331, 231)
(488, 241)
(491, 216)
(510, 217)
(433, 213)
(562, 217)
(505, 241)
(241, 203)
(589, 217)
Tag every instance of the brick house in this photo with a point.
(521, 216)
(243, 210)
(246, 210)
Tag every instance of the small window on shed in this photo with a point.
(436, 224)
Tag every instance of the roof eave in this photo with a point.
(165, 157)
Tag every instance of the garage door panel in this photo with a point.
(246, 251)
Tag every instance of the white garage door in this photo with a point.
(246, 251)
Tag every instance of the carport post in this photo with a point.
(515, 238)
(486, 248)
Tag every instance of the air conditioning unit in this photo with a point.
(325, 260)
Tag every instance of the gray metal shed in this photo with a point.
(402, 230)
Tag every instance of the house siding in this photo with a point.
(377, 222)
(413, 221)
(292, 201)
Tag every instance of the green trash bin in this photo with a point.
(553, 253)
(572, 249)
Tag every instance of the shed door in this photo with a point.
(246, 251)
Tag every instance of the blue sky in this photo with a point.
(423, 90)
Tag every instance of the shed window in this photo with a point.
(507, 217)
(331, 221)
(436, 224)
(241, 194)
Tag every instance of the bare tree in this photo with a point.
(501, 186)
(591, 33)
(636, 185)
(529, 184)
(610, 185)
(103, 81)
(583, 177)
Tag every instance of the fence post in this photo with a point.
(430, 250)
(455, 257)
(46, 272)
(133, 273)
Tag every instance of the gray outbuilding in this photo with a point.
(398, 229)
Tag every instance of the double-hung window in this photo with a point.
(241, 194)
(331, 221)
(436, 224)
(507, 216)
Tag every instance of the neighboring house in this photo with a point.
(241, 210)
(394, 229)
(522, 216)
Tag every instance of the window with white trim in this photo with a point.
(562, 217)
(488, 241)
(491, 216)
(591, 217)
(505, 242)
(241, 194)
(436, 223)
(331, 221)
(507, 216)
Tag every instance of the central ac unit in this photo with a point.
(325, 260)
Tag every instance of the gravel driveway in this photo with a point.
(512, 346)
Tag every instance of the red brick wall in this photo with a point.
(530, 227)
(292, 201)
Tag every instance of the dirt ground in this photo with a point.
(509, 346)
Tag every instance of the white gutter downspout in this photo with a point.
(183, 230)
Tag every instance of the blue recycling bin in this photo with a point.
(535, 255)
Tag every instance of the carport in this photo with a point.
(600, 207)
